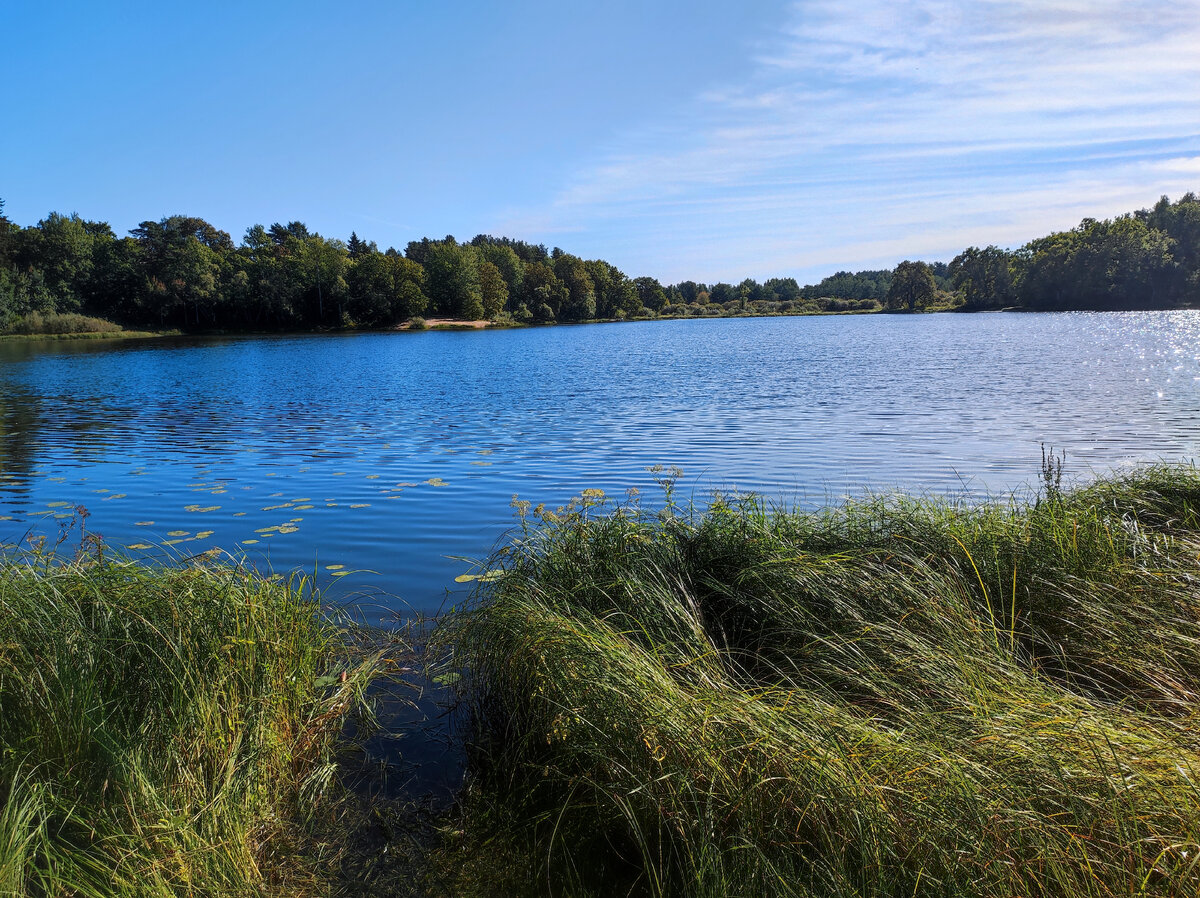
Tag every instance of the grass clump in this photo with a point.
(164, 732)
(892, 697)
(61, 323)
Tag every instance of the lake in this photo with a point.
(380, 461)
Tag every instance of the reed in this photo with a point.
(892, 697)
(165, 731)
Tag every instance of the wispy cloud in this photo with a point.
(877, 130)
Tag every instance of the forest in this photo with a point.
(182, 272)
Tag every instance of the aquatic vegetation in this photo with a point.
(894, 697)
(166, 731)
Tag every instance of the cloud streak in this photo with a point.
(906, 128)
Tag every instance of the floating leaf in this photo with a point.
(340, 573)
(276, 507)
(178, 532)
(267, 529)
(481, 464)
(485, 452)
(172, 542)
(339, 474)
(360, 505)
(288, 529)
(447, 679)
(304, 499)
(435, 481)
(334, 567)
(372, 477)
(303, 507)
(249, 542)
(57, 479)
(114, 496)
(139, 546)
(99, 491)
(239, 514)
(7, 517)
(57, 504)
(295, 520)
(204, 510)
(203, 534)
(61, 516)
(143, 523)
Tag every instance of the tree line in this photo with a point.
(181, 271)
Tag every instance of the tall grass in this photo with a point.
(893, 697)
(163, 732)
(59, 323)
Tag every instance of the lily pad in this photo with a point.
(249, 542)
(138, 546)
(178, 532)
(203, 534)
(57, 504)
(334, 567)
(360, 505)
(436, 481)
(143, 523)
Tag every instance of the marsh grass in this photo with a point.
(166, 731)
(895, 696)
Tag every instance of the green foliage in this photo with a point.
(182, 271)
(493, 289)
(896, 697)
(985, 277)
(164, 732)
(912, 287)
(60, 323)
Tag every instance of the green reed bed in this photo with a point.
(893, 697)
(164, 731)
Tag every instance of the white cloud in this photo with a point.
(880, 130)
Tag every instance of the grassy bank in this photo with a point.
(894, 697)
(166, 732)
(69, 326)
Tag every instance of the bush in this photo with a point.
(416, 323)
(62, 323)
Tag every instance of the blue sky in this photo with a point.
(680, 139)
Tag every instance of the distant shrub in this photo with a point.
(416, 323)
(61, 323)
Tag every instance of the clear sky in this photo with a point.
(675, 138)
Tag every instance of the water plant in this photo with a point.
(895, 696)
(165, 731)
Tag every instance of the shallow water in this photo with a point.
(380, 461)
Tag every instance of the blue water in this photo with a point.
(395, 456)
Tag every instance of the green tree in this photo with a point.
(985, 277)
(580, 304)
(912, 286)
(452, 279)
(651, 293)
(493, 290)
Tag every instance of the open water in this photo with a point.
(380, 462)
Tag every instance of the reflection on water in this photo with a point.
(377, 461)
